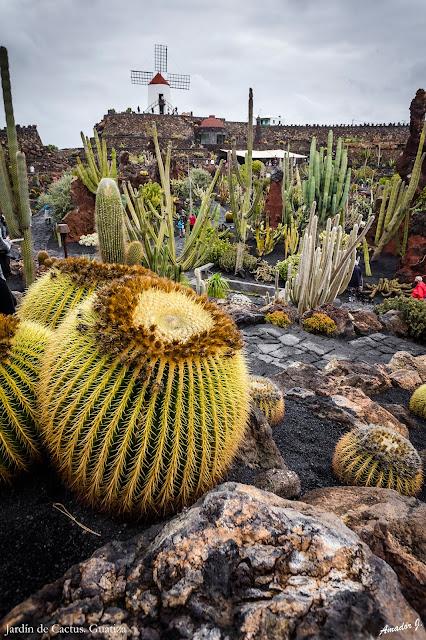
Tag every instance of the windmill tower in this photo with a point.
(160, 82)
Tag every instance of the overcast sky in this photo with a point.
(309, 61)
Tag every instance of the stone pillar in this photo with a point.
(274, 203)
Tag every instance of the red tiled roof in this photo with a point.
(158, 79)
(212, 122)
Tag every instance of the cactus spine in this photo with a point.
(14, 196)
(98, 166)
(109, 217)
(418, 402)
(326, 268)
(144, 396)
(65, 285)
(22, 346)
(372, 456)
(134, 253)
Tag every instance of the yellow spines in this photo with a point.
(279, 318)
(319, 323)
(418, 402)
(109, 218)
(268, 397)
(134, 252)
(22, 345)
(144, 396)
(372, 456)
(66, 284)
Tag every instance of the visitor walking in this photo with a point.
(5, 245)
(192, 220)
(7, 299)
(356, 282)
(419, 291)
(181, 227)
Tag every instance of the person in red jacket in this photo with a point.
(419, 291)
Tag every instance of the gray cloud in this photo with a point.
(307, 60)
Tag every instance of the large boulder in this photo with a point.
(81, 219)
(393, 322)
(258, 449)
(240, 564)
(370, 379)
(406, 361)
(366, 322)
(392, 525)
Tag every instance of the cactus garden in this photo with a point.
(213, 379)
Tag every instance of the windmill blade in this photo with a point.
(141, 77)
(160, 58)
(178, 80)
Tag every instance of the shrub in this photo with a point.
(319, 323)
(413, 313)
(283, 266)
(58, 197)
(279, 318)
(268, 397)
(224, 255)
(217, 286)
(372, 456)
(264, 272)
(200, 179)
(418, 402)
(144, 396)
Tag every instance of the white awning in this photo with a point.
(266, 154)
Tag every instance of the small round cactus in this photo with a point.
(134, 253)
(22, 346)
(418, 402)
(268, 397)
(66, 284)
(373, 456)
(144, 396)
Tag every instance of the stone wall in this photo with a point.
(131, 131)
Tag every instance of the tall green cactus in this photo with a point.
(328, 179)
(326, 265)
(155, 229)
(109, 217)
(97, 166)
(14, 195)
(396, 199)
(244, 192)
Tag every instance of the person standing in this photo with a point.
(5, 245)
(419, 291)
(7, 299)
(181, 227)
(192, 220)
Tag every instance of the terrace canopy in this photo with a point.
(266, 154)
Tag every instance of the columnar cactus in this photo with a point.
(109, 217)
(14, 197)
(326, 263)
(372, 456)
(66, 284)
(328, 179)
(268, 397)
(22, 346)
(144, 396)
(418, 402)
(97, 166)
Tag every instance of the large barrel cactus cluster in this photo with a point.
(144, 396)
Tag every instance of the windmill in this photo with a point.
(160, 82)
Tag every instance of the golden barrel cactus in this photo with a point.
(372, 456)
(268, 397)
(67, 283)
(144, 396)
(22, 345)
(418, 402)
